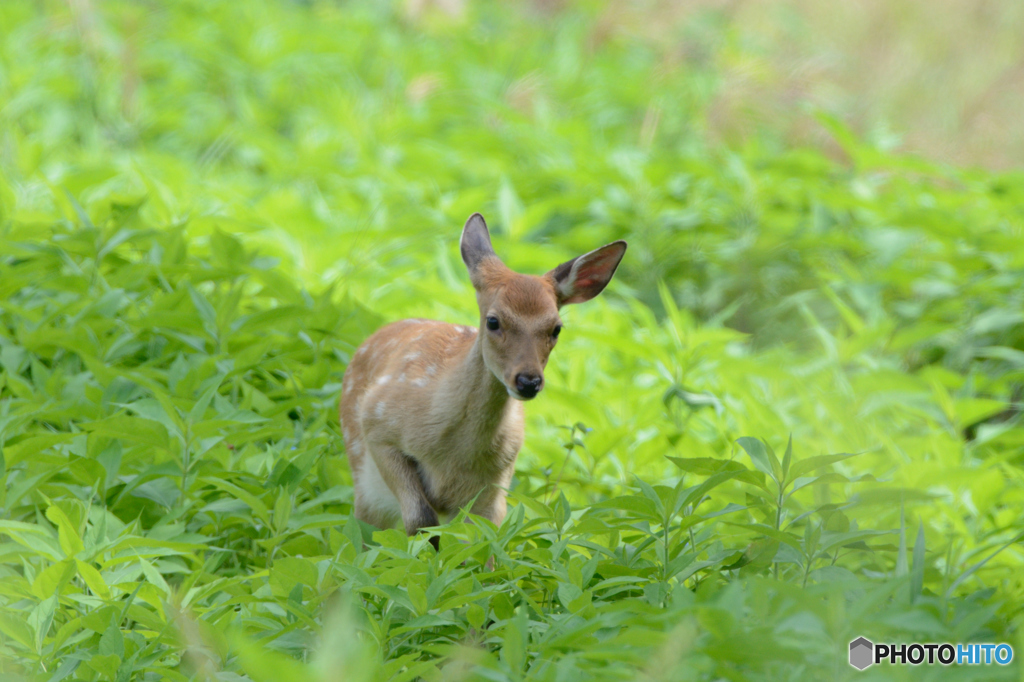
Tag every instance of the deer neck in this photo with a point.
(481, 400)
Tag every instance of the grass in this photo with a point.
(793, 419)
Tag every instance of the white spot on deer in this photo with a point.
(379, 410)
(416, 338)
(431, 370)
(383, 379)
(472, 330)
(420, 382)
(348, 387)
(412, 356)
(362, 349)
(401, 378)
(356, 446)
(376, 493)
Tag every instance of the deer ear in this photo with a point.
(583, 278)
(475, 244)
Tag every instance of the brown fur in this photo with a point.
(427, 408)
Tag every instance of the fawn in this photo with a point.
(432, 412)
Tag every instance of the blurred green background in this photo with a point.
(825, 210)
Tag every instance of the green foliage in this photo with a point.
(204, 209)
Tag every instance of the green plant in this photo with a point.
(206, 207)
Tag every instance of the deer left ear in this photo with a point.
(583, 278)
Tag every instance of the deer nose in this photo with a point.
(528, 385)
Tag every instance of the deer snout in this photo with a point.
(528, 385)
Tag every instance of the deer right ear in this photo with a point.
(475, 244)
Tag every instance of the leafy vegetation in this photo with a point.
(206, 207)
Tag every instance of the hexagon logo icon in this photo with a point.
(861, 651)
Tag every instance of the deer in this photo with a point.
(432, 412)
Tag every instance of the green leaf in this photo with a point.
(41, 618)
(206, 312)
(93, 579)
(805, 466)
(288, 572)
(112, 641)
(974, 567)
(634, 504)
(568, 593)
(17, 628)
(67, 534)
(830, 541)
(106, 665)
(705, 466)
(707, 486)
(780, 535)
(917, 570)
(132, 429)
(762, 457)
(154, 576)
(514, 641)
(694, 401)
(52, 580)
(651, 494)
(787, 458)
(198, 411)
(258, 507)
(475, 616)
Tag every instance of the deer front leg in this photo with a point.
(400, 474)
(492, 506)
(491, 503)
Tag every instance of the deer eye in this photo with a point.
(556, 331)
(492, 323)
